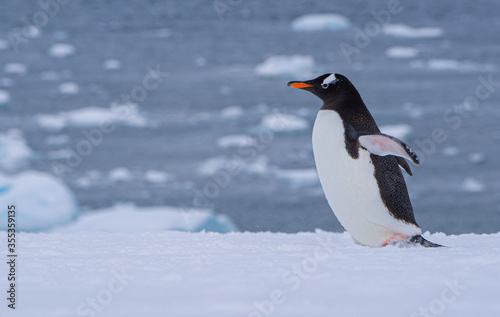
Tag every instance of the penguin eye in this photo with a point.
(324, 86)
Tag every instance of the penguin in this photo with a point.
(360, 168)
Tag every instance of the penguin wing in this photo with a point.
(403, 164)
(383, 144)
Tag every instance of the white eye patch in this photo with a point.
(328, 80)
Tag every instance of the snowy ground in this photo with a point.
(252, 274)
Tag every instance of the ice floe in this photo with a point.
(111, 64)
(401, 52)
(129, 218)
(15, 68)
(93, 117)
(400, 131)
(235, 141)
(4, 97)
(284, 123)
(300, 66)
(472, 185)
(297, 178)
(42, 201)
(405, 31)
(68, 88)
(14, 151)
(320, 22)
(156, 177)
(61, 50)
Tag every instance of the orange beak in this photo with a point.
(298, 84)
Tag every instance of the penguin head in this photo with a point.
(330, 88)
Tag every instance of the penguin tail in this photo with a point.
(426, 243)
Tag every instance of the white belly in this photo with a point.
(350, 185)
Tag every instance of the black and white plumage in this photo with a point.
(359, 167)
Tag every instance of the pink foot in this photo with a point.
(395, 238)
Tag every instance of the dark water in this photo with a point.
(210, 64)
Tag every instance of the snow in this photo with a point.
(42, 200)
(299, 66)
(320, 22)
(156, 177)
(111, 64)
(401, 52)
(93, 117)
(129, 219)
(399, 131)
(68, 88)
(61, 50)
(4, 97)
(235, 141)
(15, 68)
(252, 274)
(405, 31)
(284, 123)
(14, 151)
(297, 178)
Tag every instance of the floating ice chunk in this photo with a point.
(43, 201)
(156, 177)
(69, 88)
(320, 22)
(4, 97)
(61, 50)
(451, 151)
(213, 165)
(450, 64)
(31, 31)
(51, 122)
(403, 30)
(119, 174)
(200, 61)
(286, 66)
(129, 218)
(472, 185)
(283, 123)
(399, 131)
(111, 64)
(15, 68)
(235, 141)
(298, 178)
(14, 152)
(477, 158)
(231, 112)
(93, 116)
(401, 52)
(4, 44)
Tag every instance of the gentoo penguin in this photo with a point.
(359, 167)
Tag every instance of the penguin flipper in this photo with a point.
(403, 164)
(383, 144)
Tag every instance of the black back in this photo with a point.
(342, 97)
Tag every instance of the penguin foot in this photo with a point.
(394, 239)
